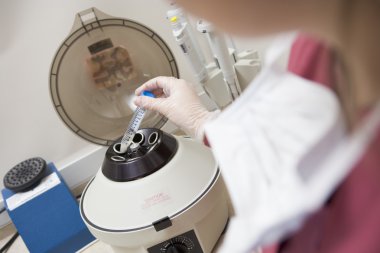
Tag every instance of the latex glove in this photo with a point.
(177, 100)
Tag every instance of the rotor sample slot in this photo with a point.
(117, 148)
(138, 138)
(153, 138)
(118, 158)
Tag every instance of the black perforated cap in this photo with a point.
(25, 174)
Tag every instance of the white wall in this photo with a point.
(31, 32)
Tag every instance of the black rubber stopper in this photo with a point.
(25, 174)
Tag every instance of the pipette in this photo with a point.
(133, 126)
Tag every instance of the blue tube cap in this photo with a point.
(148, 94)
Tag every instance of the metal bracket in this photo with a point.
(161, 224)
(88, 16)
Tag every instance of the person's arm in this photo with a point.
(178, 101)
(311, 59)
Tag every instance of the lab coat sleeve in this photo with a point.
(259, 140)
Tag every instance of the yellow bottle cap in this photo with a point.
(173, 19)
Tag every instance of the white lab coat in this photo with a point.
(282, 149)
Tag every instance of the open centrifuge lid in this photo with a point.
(97, 69)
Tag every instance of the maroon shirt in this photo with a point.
(350, 220)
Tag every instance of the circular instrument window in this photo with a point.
(96, 71)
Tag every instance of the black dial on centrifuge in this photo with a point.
(179, 244)
(176, 248)
(184, 243)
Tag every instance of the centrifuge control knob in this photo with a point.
(177, 248)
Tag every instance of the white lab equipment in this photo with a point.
(185, 39)
(166, 197)
(224, 79)
(161, 193)
(223, 57)
(290, 151)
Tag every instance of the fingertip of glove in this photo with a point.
(144, 102)
(138, 91)
(137, 100)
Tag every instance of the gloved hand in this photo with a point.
(177, 100)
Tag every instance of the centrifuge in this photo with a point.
(165, 193)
